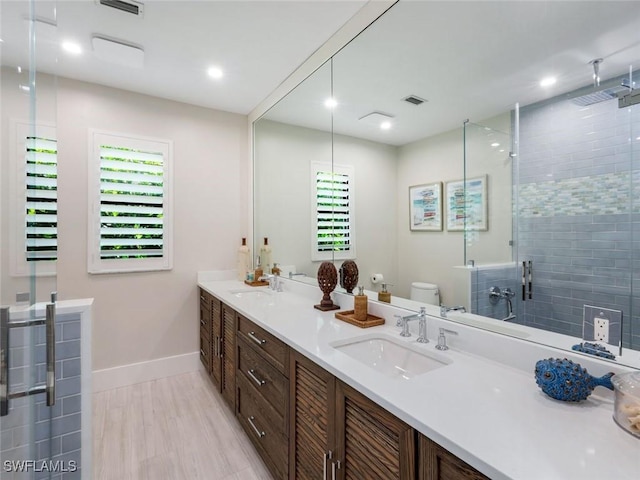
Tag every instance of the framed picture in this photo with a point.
(425, 207)
(467, 204)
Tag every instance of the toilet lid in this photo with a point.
(424, 286)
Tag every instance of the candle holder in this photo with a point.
(327, 281)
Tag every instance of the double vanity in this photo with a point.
(323, 399)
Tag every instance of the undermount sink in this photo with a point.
(391, 357)
(251, 293)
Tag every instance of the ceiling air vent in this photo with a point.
(128, 6)
(415, 100)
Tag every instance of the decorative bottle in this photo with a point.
(265, 255)
(244, 260)
(360, 305)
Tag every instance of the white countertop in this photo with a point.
(488, 412)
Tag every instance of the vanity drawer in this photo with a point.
(267, 381)
(271, 348)
(256, 417)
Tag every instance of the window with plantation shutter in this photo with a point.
(334, 235)
(34, 199)
(42, 199)
(131, 214)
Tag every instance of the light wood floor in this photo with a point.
(174, 428)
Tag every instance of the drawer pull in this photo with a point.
(255, 429)
(256, 339)
(202, 322)
(202, 297)
(202, 353)
(220, 347)
(254, 378)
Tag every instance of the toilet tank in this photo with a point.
(425, 293)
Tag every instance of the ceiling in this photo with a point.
(469, 59)
(256, 43)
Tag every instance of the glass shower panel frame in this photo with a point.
(27, 285)
(488, 248)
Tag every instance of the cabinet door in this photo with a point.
(436, 463)
(371, 442)
(229, 355)
(216, 343)
(312, 406)
(205, 329)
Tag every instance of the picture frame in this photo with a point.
(425, 207)
(467, 204)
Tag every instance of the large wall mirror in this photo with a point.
(437, 100)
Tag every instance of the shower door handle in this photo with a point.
(49, 321)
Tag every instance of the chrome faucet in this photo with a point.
(444, 309)
(422, 329)
(274, 281)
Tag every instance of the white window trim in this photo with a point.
(97, 265)
(350, 254)
(19, 130)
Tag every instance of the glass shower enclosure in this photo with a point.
(573, 199)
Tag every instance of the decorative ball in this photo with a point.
(327, 277)
(348, 275)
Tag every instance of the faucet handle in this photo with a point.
(442, 339)
(398, 320)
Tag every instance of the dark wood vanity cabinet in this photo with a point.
(336, 432)
(305, 423)
(436, 463)
(263, 394)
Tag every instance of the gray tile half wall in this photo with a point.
(57, 431)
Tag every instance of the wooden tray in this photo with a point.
(349, 317)
(257, 283)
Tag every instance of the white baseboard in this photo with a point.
(125, 375)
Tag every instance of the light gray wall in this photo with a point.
(144, 316)
(428, 256)
(283, 199)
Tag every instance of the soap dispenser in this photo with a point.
(384, 295)
(258, 271)
(360, 305)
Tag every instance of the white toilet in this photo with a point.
(425, 293)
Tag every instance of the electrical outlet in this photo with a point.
(601, 329)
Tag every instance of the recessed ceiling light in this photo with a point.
(215, 72)
(501, 150)
(548, 81)
(495, 144)
(330, 103)
(72, 48)
(385, 125)
(25, 88)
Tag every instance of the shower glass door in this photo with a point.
(28, 237)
